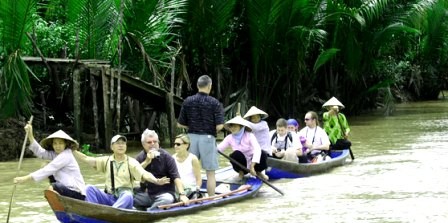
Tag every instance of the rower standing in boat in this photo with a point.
(246, 149)
(160, 163)
(260, 128)
(203, 117)
(120, 171)
(316, 138)
(336, 125)
(63, 166)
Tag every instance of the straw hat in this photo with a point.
(239, 121)
(47, 143)
(333, 102)
(256, 111)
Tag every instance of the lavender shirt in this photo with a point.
(63, 167)
(248, 146)
(261, 132)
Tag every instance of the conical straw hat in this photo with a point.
(256, 111)
(239, 121)
(333, 102)
(47, 142)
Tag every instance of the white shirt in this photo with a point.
(186, 172)
(315, 136)
(63, 167)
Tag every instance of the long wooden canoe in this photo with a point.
(71, 210)
(278, 168)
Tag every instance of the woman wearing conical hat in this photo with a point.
(260, 127)
(336, 125)
(246, 149)
(57, 147)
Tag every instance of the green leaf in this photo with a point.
(324, 57)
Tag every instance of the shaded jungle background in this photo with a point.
(284, 56)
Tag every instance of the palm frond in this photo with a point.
(96, 20)
(324, 57)
(16, 16)
(15, 88)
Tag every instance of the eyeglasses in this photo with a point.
(152, 142)
(178, 144)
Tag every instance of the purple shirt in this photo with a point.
(248, 146)
(261, 132)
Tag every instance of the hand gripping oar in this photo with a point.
(247, 170)
(18, 170)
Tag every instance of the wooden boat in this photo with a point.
(278, 168)
(71, 210)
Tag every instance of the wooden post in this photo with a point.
(170, 104)
(94, 87)
(77, 103)
(171, 116)
(107, 114)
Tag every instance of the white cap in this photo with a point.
(116, 138)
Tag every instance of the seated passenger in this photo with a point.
(316, 139)
(160, 163)
(120, 171)
(293, 125)
(284, 144)
(188, 166)
(246, 149)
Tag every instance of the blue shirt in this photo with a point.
(201, 113)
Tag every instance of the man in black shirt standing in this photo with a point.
(203, 116)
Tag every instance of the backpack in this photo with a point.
(288, 136)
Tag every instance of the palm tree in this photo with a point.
(15, 90)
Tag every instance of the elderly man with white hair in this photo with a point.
(160, 163)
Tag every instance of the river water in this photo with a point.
(400, 174)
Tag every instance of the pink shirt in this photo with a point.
(248, 146)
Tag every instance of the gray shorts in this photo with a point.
(204, 147)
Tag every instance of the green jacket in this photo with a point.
(334, 127)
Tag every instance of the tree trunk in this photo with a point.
(94, 87)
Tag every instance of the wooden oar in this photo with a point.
(199, 200)
(351, 153)
(247, 170)
(18, 170)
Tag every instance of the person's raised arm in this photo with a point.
(91, 161)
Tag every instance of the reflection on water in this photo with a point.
(399, 175)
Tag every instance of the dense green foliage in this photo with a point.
(285, 56)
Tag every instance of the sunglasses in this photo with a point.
(178, 144)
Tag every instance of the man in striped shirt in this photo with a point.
(203, 116)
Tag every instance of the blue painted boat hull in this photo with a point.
(279, 169)
(76, 211)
